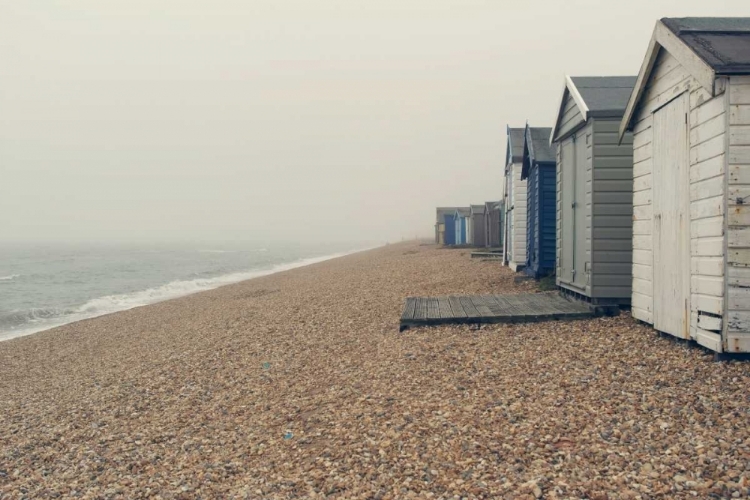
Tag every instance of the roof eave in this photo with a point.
(571, 88)
(738, 70)
(663, 37)
(607, 113)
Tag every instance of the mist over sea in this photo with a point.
(44, 286)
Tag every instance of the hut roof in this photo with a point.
(441, 212)
(492, 205)
(597, 96)
(705, 46)
(722, 42)
(476, 209)
(536, 148)
(515, 146)
(463, 211)
(604, 94)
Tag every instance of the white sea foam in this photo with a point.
(9, 277)
(114, 303)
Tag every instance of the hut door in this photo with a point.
(511, 217)
(581, 168)
(671, 219)
(567, 199)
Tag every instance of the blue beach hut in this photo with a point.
(461, 218)
(541, 217)
(450, 228)
(445, 232)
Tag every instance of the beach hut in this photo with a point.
(594, 190)
(538, 170)
(514, 247)
(478, 227)
(449, 229)
(461, 217)
(440, 225)
(690, 117)
(492, 224)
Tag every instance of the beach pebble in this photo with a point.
(298, 385)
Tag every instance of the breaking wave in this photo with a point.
(20, 323)
(10, 277)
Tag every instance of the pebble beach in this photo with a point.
(298, 385)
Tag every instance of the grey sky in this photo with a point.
(326, 119)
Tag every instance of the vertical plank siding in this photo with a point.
(738, 223)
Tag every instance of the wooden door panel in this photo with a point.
(671, 219)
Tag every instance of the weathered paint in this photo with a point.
(671, 207)
(514, 216)
(717, 178)
(738, 226)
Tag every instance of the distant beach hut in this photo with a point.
(449, 229)
(460, 217)
(594, 189)
(478, 227)
(514, 245)
(440, 226)
(538, 169)
(493, 224)
(690, 117)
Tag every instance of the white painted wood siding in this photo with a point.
(518, 252)
(707, 159)
(738, 220)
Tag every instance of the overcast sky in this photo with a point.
(314, 119)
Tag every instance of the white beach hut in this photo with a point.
(690, 117)
(514, 242)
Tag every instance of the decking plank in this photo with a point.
(411, 302)
(521, 306)
(481, 307)
(503, 303)
(490, 309)
(433, 311)
(471, 311)
(420, 312)
(543, 305)
(456, 307)
(445, 308)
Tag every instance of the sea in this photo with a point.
(44, 286)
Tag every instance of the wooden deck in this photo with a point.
(486, 255)
(424, 311)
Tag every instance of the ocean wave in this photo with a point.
(10, 277)
(19, 323)
(17, 318)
